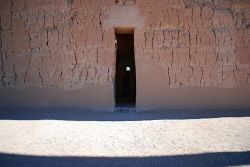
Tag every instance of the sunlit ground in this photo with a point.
(125, 138)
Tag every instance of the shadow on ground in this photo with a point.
(222, 159)
(93, 115)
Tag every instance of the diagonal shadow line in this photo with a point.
(215, 159)
(92, 115)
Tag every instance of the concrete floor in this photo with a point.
(150, 138)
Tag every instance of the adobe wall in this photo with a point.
(61, 53)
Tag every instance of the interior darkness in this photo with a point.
(125, 79)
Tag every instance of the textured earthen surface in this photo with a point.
(156, 138)
(69, 44)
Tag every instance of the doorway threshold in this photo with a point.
(125, 108)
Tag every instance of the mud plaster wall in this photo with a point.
(183, 48)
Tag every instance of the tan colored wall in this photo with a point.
(59, 53)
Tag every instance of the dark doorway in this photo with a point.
(125, 79)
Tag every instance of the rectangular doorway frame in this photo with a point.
(125, 73)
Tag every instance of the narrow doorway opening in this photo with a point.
(125, 77)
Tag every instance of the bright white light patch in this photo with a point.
(128, 69)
